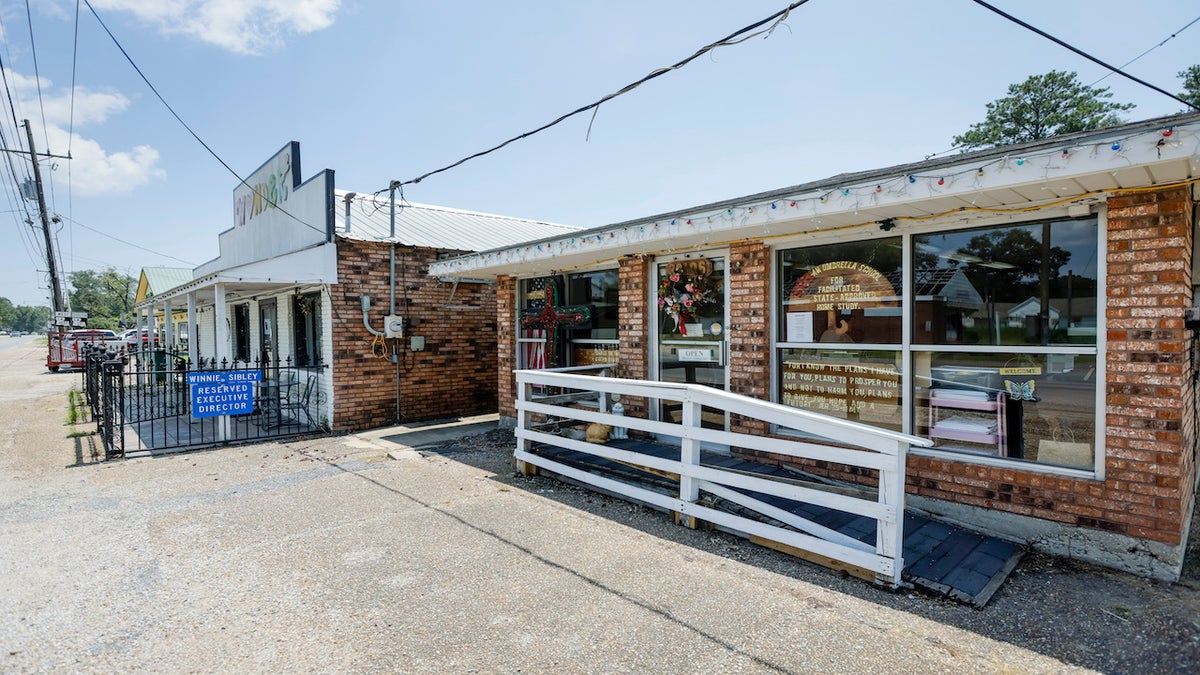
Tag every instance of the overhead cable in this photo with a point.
(1165, 41)
(127, 243)
(1082, 53)
(734, 38)
(196, 136)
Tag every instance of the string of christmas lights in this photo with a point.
(828, 201)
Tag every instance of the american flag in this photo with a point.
(535, 350)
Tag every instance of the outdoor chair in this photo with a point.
(298, 403)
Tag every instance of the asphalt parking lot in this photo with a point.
(355, 553)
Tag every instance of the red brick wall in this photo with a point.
(455, 374)
(633, 321)
(506, 335)
(749, 328)
(1150, 466)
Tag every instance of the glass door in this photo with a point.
(690, 299)
(266, 332)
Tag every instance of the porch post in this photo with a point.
(168, 326)
(193, 333)
(142, 324)
(222, 348)
(889, 535)
(689, 488)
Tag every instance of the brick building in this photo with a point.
(329, 283)
(1023, 307)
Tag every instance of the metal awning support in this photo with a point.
(450, 301)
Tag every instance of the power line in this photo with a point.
(736, 37)
(1082, 53)
(1165, 41)
(127, 243)
(71, 134)
(37, 78)
(196, 136)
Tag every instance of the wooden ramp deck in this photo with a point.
(940, 558)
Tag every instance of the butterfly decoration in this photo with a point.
(1021, 391)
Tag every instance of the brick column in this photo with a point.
(633, 320)
(749, 339)
(506, 345)
(1150, 467)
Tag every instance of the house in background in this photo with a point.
(879, 297)
(154, 280)
(320, 281)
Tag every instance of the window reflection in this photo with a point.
(1037, 408)
(1012, 285)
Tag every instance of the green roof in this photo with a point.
(159, 279)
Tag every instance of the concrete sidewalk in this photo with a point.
(405, 438)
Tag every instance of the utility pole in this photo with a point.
(41, 197)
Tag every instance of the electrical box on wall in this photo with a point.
(1191, 318)
(393, 326)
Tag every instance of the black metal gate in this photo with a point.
(148, 401)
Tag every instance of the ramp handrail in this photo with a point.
(822, 438)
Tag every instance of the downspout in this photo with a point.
(392, 249)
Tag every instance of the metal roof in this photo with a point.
(435, 226)
(163, 278)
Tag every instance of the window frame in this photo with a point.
(306, 330)
(563, 280)
(908, 347)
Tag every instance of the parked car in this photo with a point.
(129, 337)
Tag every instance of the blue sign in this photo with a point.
(218, 393)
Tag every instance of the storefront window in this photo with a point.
(1033, 407)
(863, 386)
(993, 374)
(989, 286)
(842, 293)
(583, 321)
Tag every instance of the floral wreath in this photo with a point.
(681, 296)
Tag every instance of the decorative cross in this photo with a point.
(551, 316)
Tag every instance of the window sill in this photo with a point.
(1004, 463)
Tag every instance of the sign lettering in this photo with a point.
(223, 392)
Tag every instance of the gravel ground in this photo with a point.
(322, 554)
(1077, 613)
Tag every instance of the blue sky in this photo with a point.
(383, 89)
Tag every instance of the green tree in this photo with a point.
(1191, 85)
(1040, 107)
(106, 296)
(31, 319)
(1012, 262)
(6, 313)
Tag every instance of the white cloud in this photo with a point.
(241, 26)
(94, 171)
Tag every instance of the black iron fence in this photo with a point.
(157, 399)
